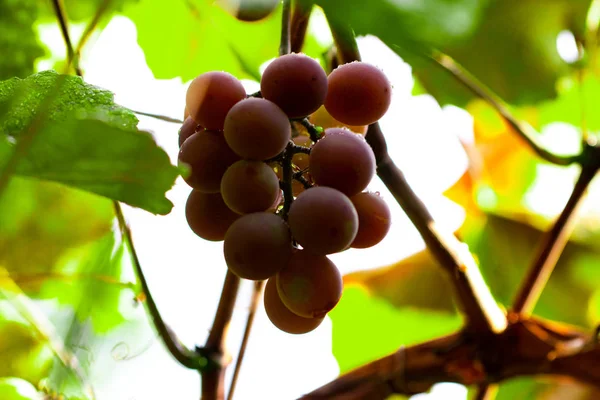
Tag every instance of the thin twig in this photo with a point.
(522, 128)
(481, 310)
(286, 180)
(284, 45)
(91, 27)
(300, 19)
(551, 247)
(256, 294)
(180, 352)
(158, 116)
(59, 10)
(213, 379)
(312, 130)
(486, 392)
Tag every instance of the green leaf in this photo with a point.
(18, 40)
(366, 328)
(509, 45)
(79, 10)
(12, 388)
(202, 37)
(86, 141)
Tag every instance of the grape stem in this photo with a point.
(59, 11)
(314, 133)
(285, 45)
(300, 19)
(295, 149)
(286, 183)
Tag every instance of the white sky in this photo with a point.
(185, 273)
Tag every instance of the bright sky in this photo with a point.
(185, 273)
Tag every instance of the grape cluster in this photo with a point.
(281, 192)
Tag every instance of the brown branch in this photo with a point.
(157, 116)
(551, 247)
(213, 378)
(61, 16)
(481, 310)
(299, 24)
(526, 348)
(256, 294)
(521, 128)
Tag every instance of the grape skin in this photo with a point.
(342, 160)
(323, 220)
(296, 83)
(257, 129)
(282, 317)
(208, 216)
(257, 246)
(209, 156)
(210, 97)
(310, 285)
(358, 94)
(249, 186)
(188, 128)
(374, 219)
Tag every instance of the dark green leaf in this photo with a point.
(18, 40)
(86, 141)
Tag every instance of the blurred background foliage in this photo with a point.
(66, 279)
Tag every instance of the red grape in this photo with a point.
(358, 94)
(209, 156)
(296, 83)
(283, 318)
(249, 186)
(257, 246)
(208, 216)
(210, 97)
(323, 220)
(309, 285)
(188, 128)
(342, 160)
(257, 129)
(374, 219)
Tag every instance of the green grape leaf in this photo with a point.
(362, 318)
(84, 140)
(202, 37)
(79, 10)
(12, 388)
(500, 42)
(18, 40)
(416, 281)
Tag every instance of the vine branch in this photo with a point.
(299, 24)
(285, 44)
(256, 293)
(551, 247)
(61, 16)
(481, 310)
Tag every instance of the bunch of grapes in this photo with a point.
(281, 192)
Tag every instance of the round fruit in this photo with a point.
(249, 186)
(208, 216)
(188, 128)
(296, 83)
(374, 219)
(342, 160)
(283, 318)
(210, 97)
(323, 220)
(310, 286)
(257, 129)
(358, 94)
(257, 246)
(249, 10)
(323, 119)
(209, 156)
